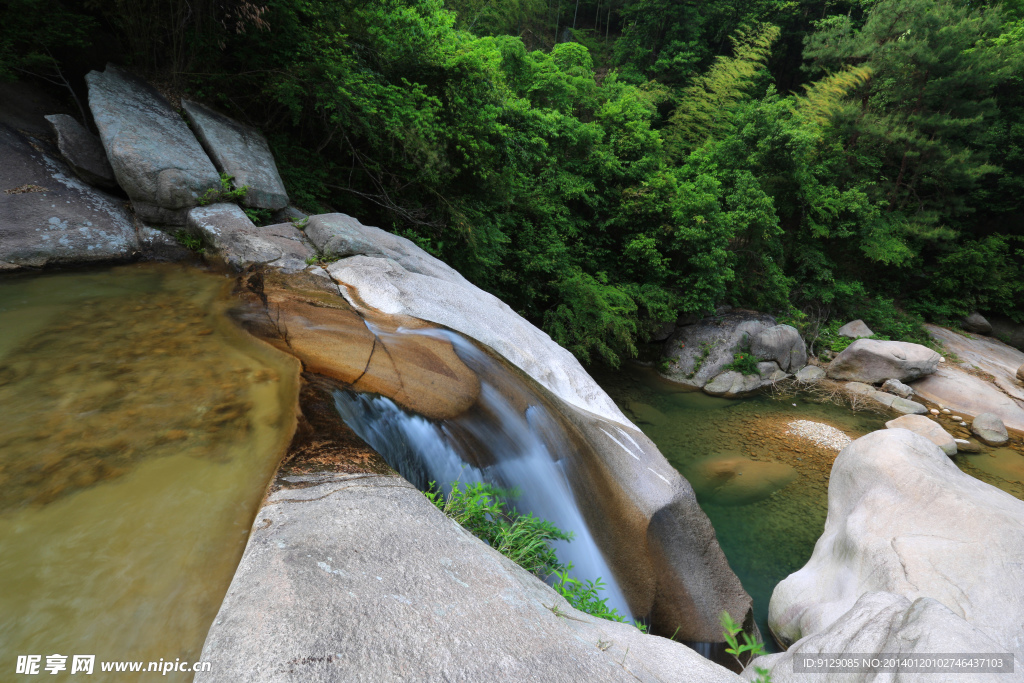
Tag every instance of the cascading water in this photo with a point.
(525, 449)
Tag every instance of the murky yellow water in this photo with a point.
(138, 431)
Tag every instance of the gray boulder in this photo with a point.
(874, 361)
(903, 519)
(977, 324)
(229, 232)
(928, 428)
(769, 372)
(884, 623)
(289, 214)
(894, 386)
(990, 429)
(732, 384)
(239, 151)
(1008, 331)
(782, 344)
(809, 373)
(156, 158)
(360, 578)
(855, 330)
(699, 352)
(900, 405)
(82, 151)
(48, 216)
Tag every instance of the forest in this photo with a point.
(605, 166)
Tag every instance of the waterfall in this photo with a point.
(524, 449)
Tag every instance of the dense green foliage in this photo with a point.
(605, 166)
(524, 539)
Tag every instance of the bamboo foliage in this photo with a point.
(823, 98)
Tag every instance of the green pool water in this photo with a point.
(138, 431)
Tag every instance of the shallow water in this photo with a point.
(138, 431)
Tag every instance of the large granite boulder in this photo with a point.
(239, 151)
(855, 330)
(971, 395)
(887, 624)
(360, 578)
(48, 216)
(994, 358)
(699, 351)
(903, 519)
(873, 361)
(990, 429)
(977, 324)
(928, 428)
(82, 151)
(228, 231)
(156, 158)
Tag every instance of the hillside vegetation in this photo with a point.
(607, 165)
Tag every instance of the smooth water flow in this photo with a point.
(525, 450)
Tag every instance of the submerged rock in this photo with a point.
(855, 330)
(360, 578)
(83, 152)
(48, 216)
(241, 152)
(929, 429)
(156, 158)
(736, 480)
(873, 361)
(903, 519)
(990, 429)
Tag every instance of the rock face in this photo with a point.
(873, 361)
(882, 622)
(733, 384)
(239, 151)
(83, 152)
(227, 229)
(394, 276)
(855, 330)
(49, 216)
(990, 429)
(156, 158)
(698, 352)
(359, 577)
(894, 386)
(929, 429)
(903, 519)
(977, 324)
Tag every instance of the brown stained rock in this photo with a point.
(420, 372)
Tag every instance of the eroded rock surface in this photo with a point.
(156, 158)
(903, 519)
(239, 151)
(873, 361)
(359, 577)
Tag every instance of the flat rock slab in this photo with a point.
(903, 519)
(82, 151)
(970, 395)
(929, 429)
(360, 578)
(156, 158)
(240, 151)
(229, 232)
(901, 405)
(873, 361)
(987, 354)
(49, 216)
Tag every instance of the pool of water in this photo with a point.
(138, 431)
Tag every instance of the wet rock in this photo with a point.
(894, 386)
(977, 324)
(990, 429)
(929, 429)
(157, 244)
(331, 567)
(156, 158)
(903, 519)
(809, 373)
(239, 151)
(732, 384)
(230, 233)
(697, 353)
(873, 361)
(782, 344)
(645, 413)
(737, 480)
(885, 624)
(855, 330)
(83, 152)
(48, 216)
(967, 446)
